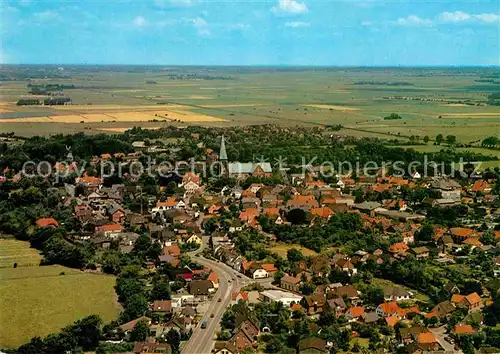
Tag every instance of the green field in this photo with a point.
(431, 101)
(13, 251)
(281, 250)
(385, 282)
(38, 300)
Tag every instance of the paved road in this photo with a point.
(202, 340)
(440, 335)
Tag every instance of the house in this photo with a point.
(258, 273)
(346, 265)
(286, 298)
(269, 268)
(448, 188)
(388, 309)
(239, 296)
(244, 170)
(108, 230)
(201, 287)
(336, 305)
(116, 213)
(236, 225)
(151, 347)
(355, 313)
(461, 329)
(224, 347)
(290, 283)
(194, 239)
(47, 222)
(347, 291)
(312, 345)
(245, 335)
(472, 302)
(392, 293)
(398, 248)
(305, 202)
(313, 303)
(163, 306)
(322, 212)
(127, 327)
(443, 309)
(420, 252)
(481, 186)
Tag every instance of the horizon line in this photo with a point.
(266, 65)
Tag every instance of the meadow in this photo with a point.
(281, 249)
(112, 99)
(39, 300)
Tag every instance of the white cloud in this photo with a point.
(412, 20)
(289, 7)
(459, 16)
(201, 26)
(297, 24)
(139, 21)
(456, 16)
(488, 17)
(46, 15)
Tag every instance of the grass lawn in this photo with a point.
(281, 249)
(36, 301)
(384, 282)
(363, 342)
(14, 251)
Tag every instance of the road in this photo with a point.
(202, 340)
(440, 334)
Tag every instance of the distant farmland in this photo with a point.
(431, 101)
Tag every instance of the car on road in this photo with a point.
(239, 276)
(219, 300)
(212, 316)
(204, 324)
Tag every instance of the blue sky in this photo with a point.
(251, 32)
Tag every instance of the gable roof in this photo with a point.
(44, 222)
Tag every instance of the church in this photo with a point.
(243, 170)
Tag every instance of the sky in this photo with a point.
(251, 32)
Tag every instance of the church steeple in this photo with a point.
(223, 159)
(222, 154)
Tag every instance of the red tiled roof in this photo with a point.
(111, 227)
(463, 329)
(44, 222)
(398, 247)
(356, 311)
(426, 338)
(324, 212)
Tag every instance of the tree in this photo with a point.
(439, 139)
(135, 307)
(488, 238)
(174, 339)
(426, 139)
(294, 255)
(374, 295)
(425, 234)
(297, 217)
(161, 290)
(140, 331)
(451, 139)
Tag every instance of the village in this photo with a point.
(221, 260)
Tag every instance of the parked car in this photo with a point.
(204, 324)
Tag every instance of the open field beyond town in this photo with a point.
(430, 101)
(39, 300)
(282, 249)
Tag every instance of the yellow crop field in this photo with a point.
(329, 106)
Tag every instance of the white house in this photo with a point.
(259, 273)
(286, 298)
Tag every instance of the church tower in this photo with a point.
(223, 158)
